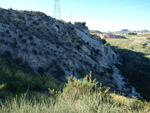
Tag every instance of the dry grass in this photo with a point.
(93, 101)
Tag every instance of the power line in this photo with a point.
(57, 10)
(71, 16)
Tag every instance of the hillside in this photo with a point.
(124, 30)
(45, 45)
(132, 31)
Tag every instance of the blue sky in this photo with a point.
(103, 15)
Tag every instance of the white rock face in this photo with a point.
(60, 49)
(108, 55)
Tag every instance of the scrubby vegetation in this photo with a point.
(136, 62)
(22, 92)
(84, 23)
(76, 97)
(16, 81)
(25, 92)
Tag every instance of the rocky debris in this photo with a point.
(53, 47)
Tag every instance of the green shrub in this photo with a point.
(20, 36)
(35, 23)
(14, 44)
(44, 82)
(104, 41)
(24, 41)
(2, 41)
(59, 71)
(18, 60)
(2, 34)
(7, 31)
(110, 70)
(40, 70)
(34, 51)
(69, 67)
(19, 82)
(5, 74)
(148, 38)
(31, 37)
(83, 23)
(62, 21)
(74, 88)
(7, 53)
(2, 86)
(78, 47)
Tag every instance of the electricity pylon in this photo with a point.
(57, 9)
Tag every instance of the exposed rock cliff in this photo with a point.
(60, 49)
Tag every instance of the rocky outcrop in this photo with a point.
(82, 26)
(52, 47)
